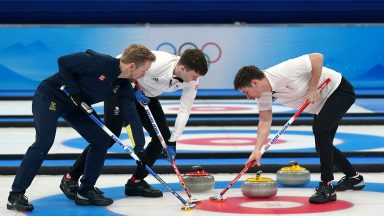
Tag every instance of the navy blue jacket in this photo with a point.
(89, 73)
(94, 76)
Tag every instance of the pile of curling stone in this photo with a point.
(294, 175)
(259, 187)
(198, 180)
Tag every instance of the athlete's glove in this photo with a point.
(170, 153)
(141, 98)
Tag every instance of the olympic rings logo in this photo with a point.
(208, 48)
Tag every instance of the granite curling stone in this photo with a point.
(198, 180)
(295, 175)
(259, 187)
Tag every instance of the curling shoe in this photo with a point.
(69, 187)
(18, 202)
(141, 188)
(324, 193)
(350, 183)
(93, 196)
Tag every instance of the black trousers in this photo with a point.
(47, 106)
(324, 129)
(114, 122)
(154, 148)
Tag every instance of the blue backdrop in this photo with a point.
(29, 53)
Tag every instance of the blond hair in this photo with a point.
(138, 54)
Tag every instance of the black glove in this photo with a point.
(77, 100)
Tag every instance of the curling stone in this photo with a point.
(294, 175)
(259, 187)
(198, 180)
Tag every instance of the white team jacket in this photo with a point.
(159, 79)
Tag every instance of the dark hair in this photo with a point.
(194, 59)
(245, 75)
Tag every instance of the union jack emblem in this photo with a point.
(102, 77)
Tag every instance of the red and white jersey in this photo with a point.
(160, 79)
(290, 83)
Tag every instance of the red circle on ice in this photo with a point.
(238, 205)
(224, 141)
(214, 108)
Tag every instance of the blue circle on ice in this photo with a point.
(350, 141)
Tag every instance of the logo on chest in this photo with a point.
(290, 88)
(116, 89)
(102, 77)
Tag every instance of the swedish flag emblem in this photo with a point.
(52, 106)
